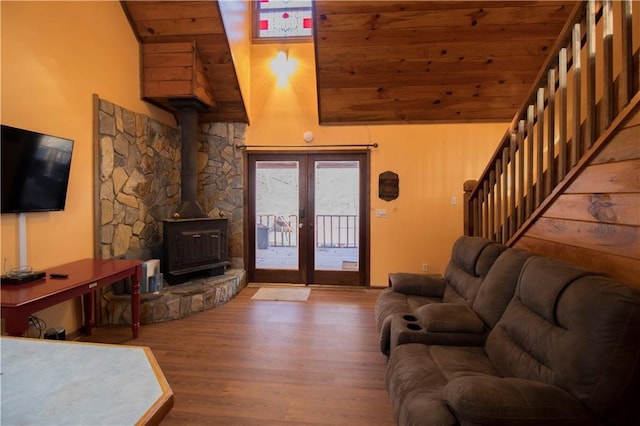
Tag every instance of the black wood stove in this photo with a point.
(194, 245)
(192, 241)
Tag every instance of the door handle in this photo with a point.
(300, 225)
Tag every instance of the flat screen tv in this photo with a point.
(35, 171)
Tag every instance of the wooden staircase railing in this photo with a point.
(574, 103)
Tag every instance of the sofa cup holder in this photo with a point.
(414, 327)
(409, 318)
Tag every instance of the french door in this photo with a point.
(308, 218)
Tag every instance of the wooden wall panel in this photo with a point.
(161, 64)
(596, 221)
(174, 70)
(621, 176)
(201, 86)
(625, 146)
(615, 239)
(167, 73)
(621, 268)
(167, 89)
(621, 209)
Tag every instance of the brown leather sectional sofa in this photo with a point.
(538, 341)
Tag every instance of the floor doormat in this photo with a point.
(282, 294)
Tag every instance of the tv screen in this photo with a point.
(35, 171)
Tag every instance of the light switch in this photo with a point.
(381, 212)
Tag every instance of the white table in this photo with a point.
(48, 382)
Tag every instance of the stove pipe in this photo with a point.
(189, 206)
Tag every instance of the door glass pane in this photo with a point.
(277, 214)
(337, 195)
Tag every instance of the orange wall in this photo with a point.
(55, 55)
(432, 162)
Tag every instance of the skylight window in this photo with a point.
(283, 19)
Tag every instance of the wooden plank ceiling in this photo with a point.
(163, 22)
(385, 61)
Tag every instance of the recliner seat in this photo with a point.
(459, 324)
(565, 351)
(471, 260)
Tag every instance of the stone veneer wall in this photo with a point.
(139, 160)
(220, 180)
(139, 170)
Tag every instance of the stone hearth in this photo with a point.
(175, 302)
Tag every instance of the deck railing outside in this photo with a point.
(336, 231)
(281, 230)
(574, 101)
(331, 231)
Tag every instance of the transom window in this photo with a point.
(282, 19)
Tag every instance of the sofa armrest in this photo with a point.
(426, 285)
(450, 318)
(487, 400)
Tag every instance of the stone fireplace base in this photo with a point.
(175, 302)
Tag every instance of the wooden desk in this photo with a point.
(85, 276)
(64, 383)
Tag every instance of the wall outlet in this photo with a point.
(425, 267)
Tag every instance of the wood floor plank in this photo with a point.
(255, 362)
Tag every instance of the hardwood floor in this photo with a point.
(255, 362)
